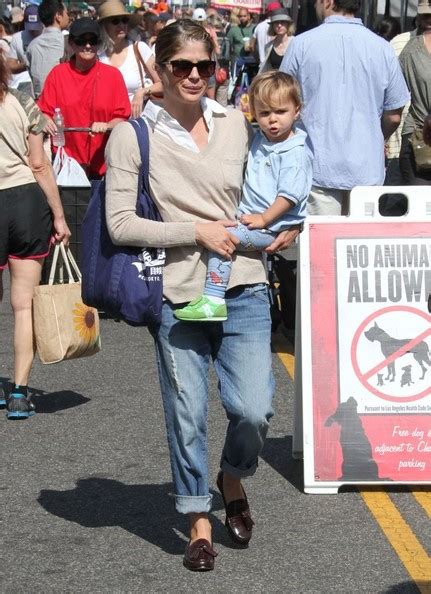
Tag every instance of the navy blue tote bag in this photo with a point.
(125, 282)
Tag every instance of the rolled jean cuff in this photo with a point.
(238, 473)
(193, 504)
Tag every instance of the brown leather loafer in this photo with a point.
(239, 523)
(199, 556)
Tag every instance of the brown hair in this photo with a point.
(4, 76)
(272, 87)
(171, 39)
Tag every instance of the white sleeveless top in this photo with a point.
(130, 70)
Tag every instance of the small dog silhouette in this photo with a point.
(390, 345)
(358, 462)
(406, 378)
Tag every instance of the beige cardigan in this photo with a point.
(187, 187)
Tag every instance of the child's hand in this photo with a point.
(253, 221)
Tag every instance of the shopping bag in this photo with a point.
(123, 281)
(64, 328)
(242, 101)
(68, 171)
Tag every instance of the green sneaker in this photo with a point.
(202, 309)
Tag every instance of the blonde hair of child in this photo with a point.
(272, 89)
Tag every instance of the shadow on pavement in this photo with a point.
(49, 402)
(56, 401)
(408, 588)
(144, 510)
(277, 452)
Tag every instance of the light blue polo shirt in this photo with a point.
(278, 169)
(348, 77)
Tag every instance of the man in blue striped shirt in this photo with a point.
(353, 94)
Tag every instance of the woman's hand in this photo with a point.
(62, 231)
(50, 128)
(99, 127)
(215, 237)
(138, 102)
(253, 221)
(284, 239)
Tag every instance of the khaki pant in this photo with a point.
(328, 201)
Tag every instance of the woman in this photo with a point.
(203, 147)
(415, 61)
(282, 28)
(135, 61)
(30, 211)
(90, 95)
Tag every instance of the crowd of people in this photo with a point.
(326, 104)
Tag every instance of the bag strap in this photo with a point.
(141, 64)
(73, 263)
(141, 130)
(68, 260)
(139, 61)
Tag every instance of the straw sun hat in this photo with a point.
(112, 8)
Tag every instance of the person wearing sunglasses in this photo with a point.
(198, 150)
(91, 96)
(135, 61)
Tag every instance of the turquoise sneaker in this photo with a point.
(202, 309)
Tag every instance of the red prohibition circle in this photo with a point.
(354, 349)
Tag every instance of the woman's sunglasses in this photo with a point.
(81, 41)
(118, 20)
(183, 68)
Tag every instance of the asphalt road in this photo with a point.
(85, 486)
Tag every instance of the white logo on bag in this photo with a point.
(152, 259)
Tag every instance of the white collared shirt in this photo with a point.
(161, 121)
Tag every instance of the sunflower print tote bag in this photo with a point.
(64, 327)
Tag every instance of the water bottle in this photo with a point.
(58, 137)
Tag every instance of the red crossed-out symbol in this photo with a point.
(365, 376)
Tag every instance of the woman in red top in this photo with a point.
(89, 94)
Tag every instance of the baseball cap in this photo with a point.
(83, 26)
(16, 15)
(273, 6)
(424, 7)
(32, 21)
(199, 14)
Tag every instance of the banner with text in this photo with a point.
(251, 5)
(371, 351)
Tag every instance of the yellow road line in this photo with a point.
(399, 534)
(285, 352)
(423, 497)
(401, 537)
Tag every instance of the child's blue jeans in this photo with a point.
(219, 269)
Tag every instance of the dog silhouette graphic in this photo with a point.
(390, 345)
(358, 462)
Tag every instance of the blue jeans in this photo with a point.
(241, 352)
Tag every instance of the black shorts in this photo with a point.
(25, 224)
